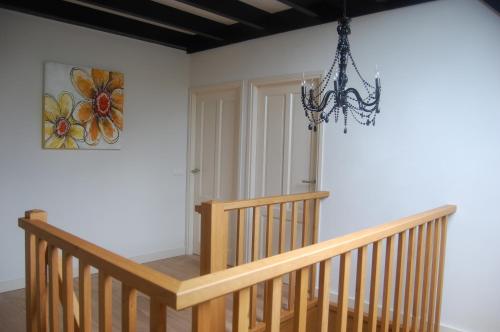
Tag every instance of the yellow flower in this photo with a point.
(102, 110)
(59, 128)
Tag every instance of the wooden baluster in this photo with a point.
(345, 267)
(76, 309)
(54, 302)
(240, 237)
(269, 253)
(359, 300)
(374, 288)
(158, 316)
(201, 312)
(427, 265)
(269, 232)
(386, 297)
(434, 276)
(241, 311)
(41, 276)
(129, 308)
(442, 256)
(30, 250)
(30, 282)
(315, 237)
(398, 289)
(300, 312)
(67, 292)
(306, 225)
(240, 257)
(324, 294)
(282, 237)
(418, 278)
(293, 245)
(105, 302)
(255, 256)
(409, 281)
(273, 309)
(85, 290)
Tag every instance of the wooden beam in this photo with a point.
(153, 11)
(74, 14)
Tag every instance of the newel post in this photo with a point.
(210, 316)
(36, 295)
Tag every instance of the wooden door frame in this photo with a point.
(191, 150)
(251, 135)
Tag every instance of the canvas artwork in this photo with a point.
(82, 107)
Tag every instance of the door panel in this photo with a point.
(286, 149)
(286, 154)
(216, 150)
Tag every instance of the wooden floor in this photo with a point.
(12, 310)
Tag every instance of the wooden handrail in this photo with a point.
(198, 290)
(262, 201)
(44, 241)
(143, 278)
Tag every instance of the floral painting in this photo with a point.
(82, 107)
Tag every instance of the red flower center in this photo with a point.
(62, 127)
(102, 104)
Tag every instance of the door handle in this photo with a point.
(309, 181)
(195, 171)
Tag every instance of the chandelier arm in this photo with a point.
(360, 99)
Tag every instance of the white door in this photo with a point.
(286, 150)
(215, 170)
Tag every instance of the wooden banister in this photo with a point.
(214, 285)
(270, 200)
(145, 279)
(420, 248)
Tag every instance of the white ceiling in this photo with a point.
(270, 6)
(196, 11)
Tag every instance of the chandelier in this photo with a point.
(320, 105)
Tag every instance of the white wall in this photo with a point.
(436, 140)
(130, 201)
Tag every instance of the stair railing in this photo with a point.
(420, 241)
(295, 219)
(415, 245)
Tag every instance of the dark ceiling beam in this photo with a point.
(361, 7)
(158, 13)
(495, 4)
(232, 9)
(278, 22)
(292, 19)
(87, 17)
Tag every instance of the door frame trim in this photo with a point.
(191, 149)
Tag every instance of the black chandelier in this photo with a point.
(318, 104)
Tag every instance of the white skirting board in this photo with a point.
(9, 285)
(443, 327)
